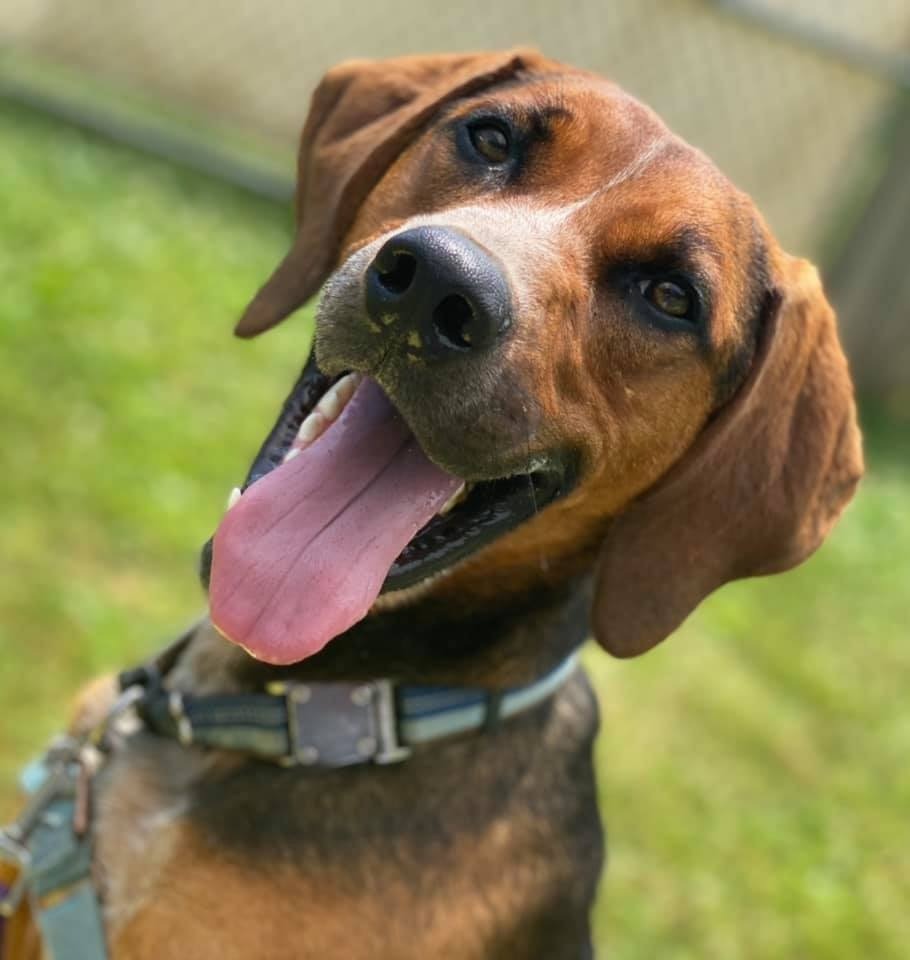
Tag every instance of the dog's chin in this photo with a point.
(439, 518)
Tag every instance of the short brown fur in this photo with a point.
(699, 461)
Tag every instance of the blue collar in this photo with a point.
(334, 724)
(430, 713)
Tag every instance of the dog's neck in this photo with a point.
(497, 645)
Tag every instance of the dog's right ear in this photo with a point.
(362, 115)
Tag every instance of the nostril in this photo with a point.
(400, 274)
(452, 319)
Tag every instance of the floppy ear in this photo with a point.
(362, 115)
(756, 494)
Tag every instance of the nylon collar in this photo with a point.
(334, 724)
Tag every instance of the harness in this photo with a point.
(46, 854)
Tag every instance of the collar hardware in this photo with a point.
(181, 720)
(363, 725)
(391, 748)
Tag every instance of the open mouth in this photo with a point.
(340, 505)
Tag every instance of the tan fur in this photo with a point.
(679, 492)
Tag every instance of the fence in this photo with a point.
(797, 100)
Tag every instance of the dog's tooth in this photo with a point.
(233, 497)
(337, 396)
(455, 499)
(348, 384)
(303, 428)
(331, 405)
(326, 412)
(311, 428)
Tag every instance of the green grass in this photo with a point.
(754, 768)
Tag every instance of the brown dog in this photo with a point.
(576, 312)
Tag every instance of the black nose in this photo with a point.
(442, 288)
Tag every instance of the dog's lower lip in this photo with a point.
(492, 508)
(483, 512)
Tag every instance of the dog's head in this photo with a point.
(546, 309)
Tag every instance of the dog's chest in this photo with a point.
(471, 904)
(464, 854)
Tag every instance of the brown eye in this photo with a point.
(672, 298)
(491, 141)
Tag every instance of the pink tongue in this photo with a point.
(304, 552)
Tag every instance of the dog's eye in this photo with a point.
(675, 298)
(490, 141)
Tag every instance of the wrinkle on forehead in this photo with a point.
(635, 168)
(638, 166)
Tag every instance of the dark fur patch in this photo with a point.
(760, 298)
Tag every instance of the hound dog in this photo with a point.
(564, 381)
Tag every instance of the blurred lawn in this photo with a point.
(755, 768)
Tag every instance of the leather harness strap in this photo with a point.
(49, 851)
(46, 855)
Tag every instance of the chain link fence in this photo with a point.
(797, 100)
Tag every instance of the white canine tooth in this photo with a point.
(348, 384)
(337, 396)
(314, 426)
(453, 500)
(331, 405)
(233, 497)
(302, 428)
(327, 411)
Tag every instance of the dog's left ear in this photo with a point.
(760, 488)
(362, 115)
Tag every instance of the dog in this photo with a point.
(564, 381)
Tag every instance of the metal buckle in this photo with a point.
(295, 694)
(390, 748)
(178, 714)
(100, 735)
(338, 724)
